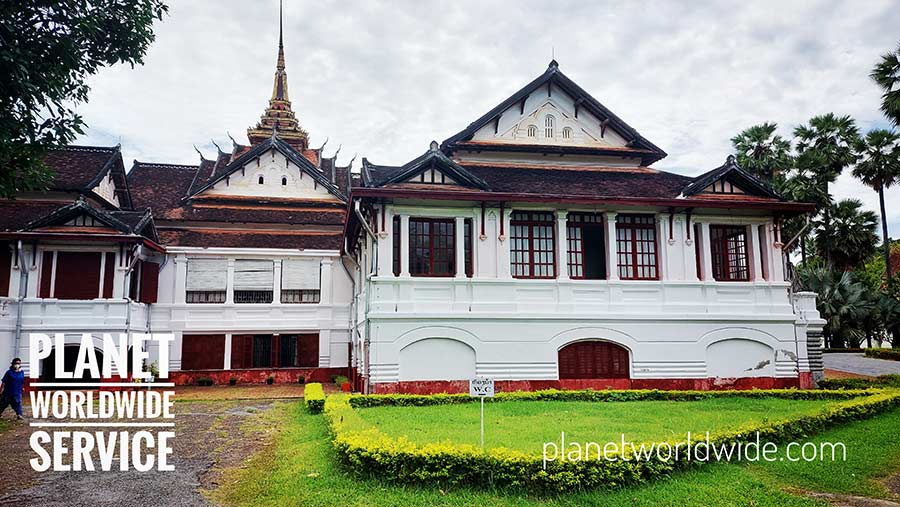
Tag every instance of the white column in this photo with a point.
(612, 264)
(325, 284)
(777, 266)
(404, 246)
(180, 279)
(503, 245)
(227, 364)
(460, 247)
(276, 282)
(706, 252)
(385, 243)
(662, 245)
(562, 245)
(753, 253)
(229, 283)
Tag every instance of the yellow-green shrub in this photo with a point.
(314, 397)
(366, 451)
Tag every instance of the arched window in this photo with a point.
(532, 131)
(549, 123)
(261, 180)
(593, 359)
(567, 133)
(284, 181)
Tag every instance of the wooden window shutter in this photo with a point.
(6, 255)
(309, 350)
(241, 351)
(46, 274)
(109, 274)
(149, 282)
(77, 275)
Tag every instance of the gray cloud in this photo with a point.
(384, 78)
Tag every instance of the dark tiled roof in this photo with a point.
(732, 171)
(233, 239)
(15, 215)
(608, 182)
(377, 176)
(77, 166)
(160, 187)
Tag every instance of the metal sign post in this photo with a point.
(481, 387)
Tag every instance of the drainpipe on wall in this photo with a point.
(23, 291)
(364, 278)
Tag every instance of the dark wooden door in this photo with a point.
(593, 359)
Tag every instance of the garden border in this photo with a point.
(366, 451)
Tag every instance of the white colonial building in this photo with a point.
(538, 247)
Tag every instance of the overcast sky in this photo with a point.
(382, 79)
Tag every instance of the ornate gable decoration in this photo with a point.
(272, 169)
(431, 168)
(729, 179)
(554, 112)
(82, 217)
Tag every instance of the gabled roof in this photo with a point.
(733, 173)
(82, 168)
(584, 99)
(377, 176)
(285, 149)
(126, 222)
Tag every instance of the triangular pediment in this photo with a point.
(553, 111)
(275, 170)
(431, 168)
(726, 180)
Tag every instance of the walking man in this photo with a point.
(11, 388)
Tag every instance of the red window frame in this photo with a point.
(575, 226)
(532, 235)
(432, 247)
(729, 254)
(636, 247)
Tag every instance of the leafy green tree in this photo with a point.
(762, 152)
(841, 301)
(827, 146)
(47, 50)
(850, 238)
(887, 75)
(879, 168)
(802, 184)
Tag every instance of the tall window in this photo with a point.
(533, 245)
(262, 351)
(567, 133)
(432, 249)
(467, 248)
(549, 123)
(636, 247)
(729, 253)
(532, 131)
(586, 248)
(300, 281)
(395, 233)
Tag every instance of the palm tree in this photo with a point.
(841, 302)
(802, 185)
(879, 168)
(762, 152)
(887, 75)
(850, 238)
(829, 145)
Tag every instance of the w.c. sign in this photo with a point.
(481, 387)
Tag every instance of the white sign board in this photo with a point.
(481, 387)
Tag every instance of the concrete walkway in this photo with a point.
(860, 364)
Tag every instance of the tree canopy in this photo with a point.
(48, 49)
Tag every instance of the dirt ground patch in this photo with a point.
(239, 392)
(209, 436)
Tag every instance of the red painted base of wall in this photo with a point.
(256, 375)
(700, 384)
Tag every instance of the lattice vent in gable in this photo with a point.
(432, 176)
(723, 187)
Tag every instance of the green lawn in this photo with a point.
(299, 469)
(526, 425)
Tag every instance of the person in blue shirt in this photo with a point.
(11, 388)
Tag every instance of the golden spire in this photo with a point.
(279, 117)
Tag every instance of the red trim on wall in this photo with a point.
(699, 384)
(257, 375)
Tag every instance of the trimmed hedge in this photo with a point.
(314, 397)
(364, 450)
(891, 354)
(861, 383)
(416, 400)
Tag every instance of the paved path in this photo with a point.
(858, 363)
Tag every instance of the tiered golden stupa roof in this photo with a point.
(279, 117)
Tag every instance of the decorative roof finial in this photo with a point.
(280, 65)
(434, 146)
